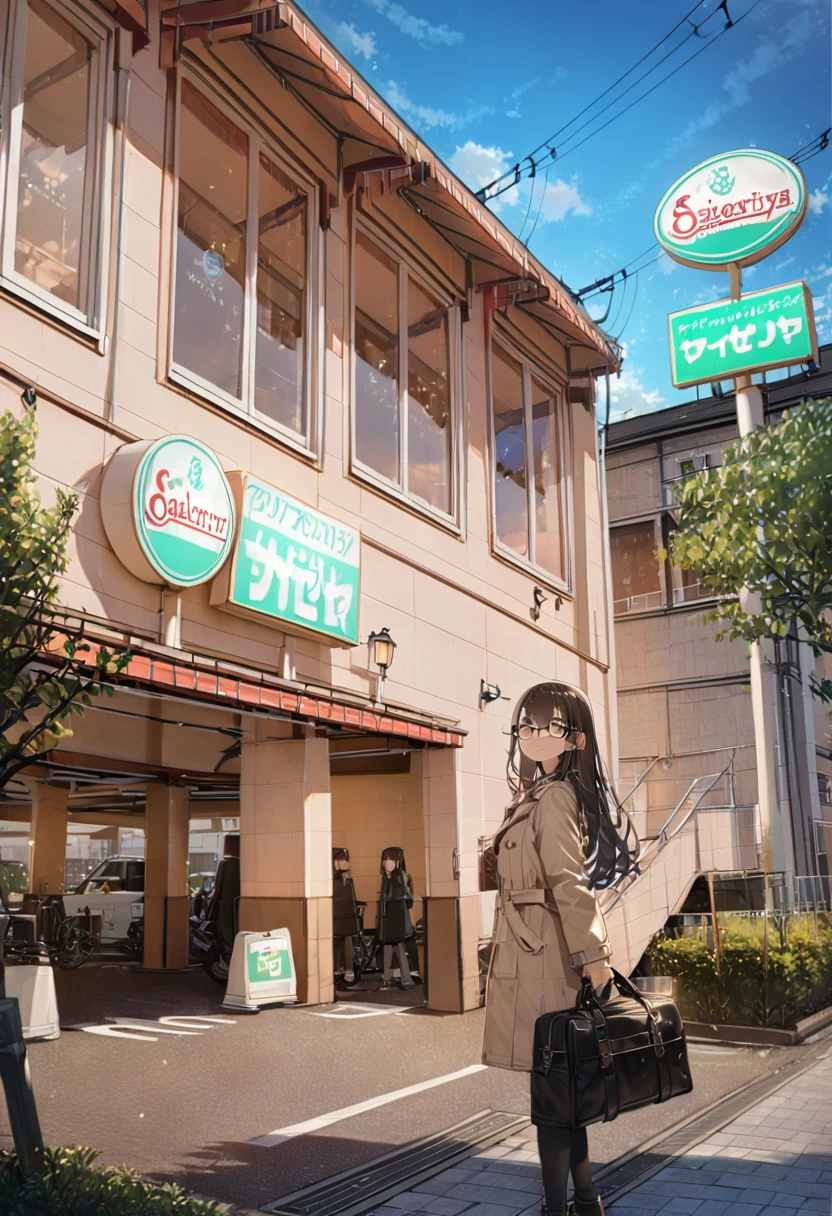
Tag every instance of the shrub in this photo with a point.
(741, 990)
(71, 1185)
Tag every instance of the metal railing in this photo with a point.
(669, 831)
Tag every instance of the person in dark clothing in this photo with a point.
(394, 924)
(345, 922)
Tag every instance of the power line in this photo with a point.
(664, 79)
(630, 313)
(545, 148)
(819, 144)
(815, 146)
(482, 193)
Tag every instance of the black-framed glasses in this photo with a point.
(555, 729)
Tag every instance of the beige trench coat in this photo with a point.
(547, 925)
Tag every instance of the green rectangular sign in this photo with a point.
(268, 961)
(294, 564)
(762, 330)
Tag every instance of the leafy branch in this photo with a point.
(763, 521)
(46, 673)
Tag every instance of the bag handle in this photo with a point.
(588, 1001)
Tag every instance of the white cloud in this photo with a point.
(432, 116)
(517, 94)
(352, 40)
(817, 201)
(417, 27)
(629, 397)
(479, 165)
(782, 265)
(560, 198)
(666, 264)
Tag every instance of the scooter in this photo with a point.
(214, 925)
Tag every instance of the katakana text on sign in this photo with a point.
(762, 330)
(295, 564)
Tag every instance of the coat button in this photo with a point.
(511, 844)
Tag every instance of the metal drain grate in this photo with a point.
(362, 1188)
(632, 1169)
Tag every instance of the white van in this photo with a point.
(112, 888)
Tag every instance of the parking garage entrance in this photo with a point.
(168, 810)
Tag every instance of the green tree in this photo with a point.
(43, 680)
(764, 521)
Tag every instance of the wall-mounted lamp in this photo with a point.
(539, 599)
(381, 647)
(489, 693)
(29, 397)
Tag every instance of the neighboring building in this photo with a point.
(212, 227)
(682, 696)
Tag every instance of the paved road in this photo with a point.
(775, 1159)
(183, 1107)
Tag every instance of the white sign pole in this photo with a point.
(776, 842)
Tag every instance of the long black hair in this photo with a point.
(610, 841)
(394, 853)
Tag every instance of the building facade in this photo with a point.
(683, 697)
(305, 388)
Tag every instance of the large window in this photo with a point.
(242, 317)
(636, 571)
(55, 154)
(404, 338)
(529, 473)
(643, 579)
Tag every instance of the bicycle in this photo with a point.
(68, 943)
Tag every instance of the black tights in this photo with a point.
(564, 1151)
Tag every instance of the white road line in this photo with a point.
(347, 1112)
(354, 1009)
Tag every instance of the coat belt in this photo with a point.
(525, 937)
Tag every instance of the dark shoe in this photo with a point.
(544, 1211)
(586, 1207)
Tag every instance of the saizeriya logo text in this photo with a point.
(166, 507)
(689, 223)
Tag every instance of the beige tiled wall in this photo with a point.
(371, 813)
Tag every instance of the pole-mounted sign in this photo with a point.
(763, 330)
(732, 209)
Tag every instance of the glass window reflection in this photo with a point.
(376, 359)
(428, 400)
(54, 196)
(211, 244)
(279, 388)
(511, 506)
(549, 547)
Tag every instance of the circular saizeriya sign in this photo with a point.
(168, 510)
(734, 208)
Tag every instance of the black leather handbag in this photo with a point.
(594, 1061)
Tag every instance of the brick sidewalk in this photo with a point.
(774, 1160)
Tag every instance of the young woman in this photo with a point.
(394, 925)
(564, 837)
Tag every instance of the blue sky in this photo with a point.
(485, 83)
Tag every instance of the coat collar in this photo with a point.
(522, 805)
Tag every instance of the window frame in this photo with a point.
(98, 205)
(364, 473)
(260, 140)
(532, 369)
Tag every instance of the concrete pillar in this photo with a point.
(166, 902)
(452, 963)
(286, 849)
(48, 832)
